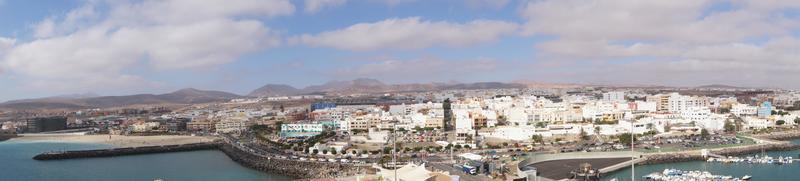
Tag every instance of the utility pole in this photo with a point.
(394, 150)
(633, 163)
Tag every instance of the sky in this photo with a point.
(118, 47)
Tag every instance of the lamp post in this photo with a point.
(633, 163)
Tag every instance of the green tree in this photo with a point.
(537, 138)
(324, 152)
(797, 119)
(780, 122)
(730, 127)
(625, 138)
(583, 135)
(704, 133)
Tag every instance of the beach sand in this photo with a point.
(117, 141)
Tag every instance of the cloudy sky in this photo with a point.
(53, 47)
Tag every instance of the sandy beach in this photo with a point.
(116, 140)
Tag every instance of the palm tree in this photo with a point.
(597, 133)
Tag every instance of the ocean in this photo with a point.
(770, 172)
(16, 163)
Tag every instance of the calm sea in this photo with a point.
(16, 164)
(758, 171)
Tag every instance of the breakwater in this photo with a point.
(291, 168)
(125, 151)
(684, 157)
(783, 135)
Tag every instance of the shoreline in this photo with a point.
(763, 144)
(115, 141)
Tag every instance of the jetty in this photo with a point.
(61, 155)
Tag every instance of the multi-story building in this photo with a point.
(743, 110)
(765, 110)
(37, 125)
(301, 130)
(200, 126)
(616, 96)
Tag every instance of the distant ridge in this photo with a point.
(275, 90)
(364, 85)
(183, 96)
(718, 86)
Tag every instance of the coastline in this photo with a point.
(116, 141)
(763, 144)
(291, 168)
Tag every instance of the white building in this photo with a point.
(615, 96)
(744, 110)
(236, 125)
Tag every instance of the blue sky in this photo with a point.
(146, 46)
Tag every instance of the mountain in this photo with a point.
(275, 90)
(718, 86)
(364, 85)
(487, 85)
(183, 96)
(361, 85)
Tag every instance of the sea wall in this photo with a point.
(126, 151)
(683, 157)
(784, 135)
(292, 168)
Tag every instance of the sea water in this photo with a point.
(771, 172)
(16, 163)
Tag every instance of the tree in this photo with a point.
(505, 144)
(315, 152)
(355, 152)
(467, 147)
(797, 119)
(780, 122)
(278, 125)
(730, 127)
(704, 133)
(625, 138)
(324, 152)
(458, 146)
(583, 135)
(537, 138)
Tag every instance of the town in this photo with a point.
(475, 134)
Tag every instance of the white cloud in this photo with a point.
(81, 51)
(682, 39)
(496, 4)
(420, 69)
(6, 43)
(313, 6)
(409, 33)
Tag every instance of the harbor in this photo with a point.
(693, 175)
(754, 160)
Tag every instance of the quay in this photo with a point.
(126, 151)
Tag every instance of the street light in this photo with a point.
(633, 163)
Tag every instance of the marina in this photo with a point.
(754, 160)
(681, 175)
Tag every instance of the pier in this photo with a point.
(125, 151)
